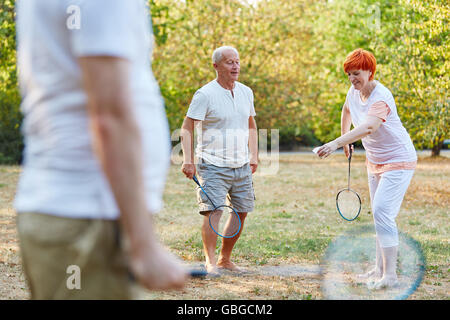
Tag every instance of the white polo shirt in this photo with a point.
(61, 174)
(223, 131)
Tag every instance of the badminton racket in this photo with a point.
(227, 226)
(348, 201)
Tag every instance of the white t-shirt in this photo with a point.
(223, 130)
(61, 174)
(391, 142)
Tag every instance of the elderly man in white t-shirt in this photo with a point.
(226, 152)
(96, 151)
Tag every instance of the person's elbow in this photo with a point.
(252, 123)
(111, 115)
(114, 108)
(114, 103)
(371, 127)
(188, 124)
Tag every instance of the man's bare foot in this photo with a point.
(228, 265)
(212, 269)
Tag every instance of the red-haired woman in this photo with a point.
(390, 156)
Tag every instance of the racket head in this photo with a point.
(223, 224)
(348, 204)
(354, 253)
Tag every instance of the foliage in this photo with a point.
(410, 41)
(273, 40)
(420, 70)
(291, 56)
(10, 118)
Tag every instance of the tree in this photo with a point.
(420, 69)
(410, 41)
(291, 56)
(11, 144)
(275, 42)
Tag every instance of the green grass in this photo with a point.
(295, 218)
(294, 222)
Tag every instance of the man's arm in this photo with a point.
(117, 144)
(253, 143)
(187, 145)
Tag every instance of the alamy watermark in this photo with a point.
(226, 143)
(73, 21)
(232, 145)
(73, 281)
(374, 20)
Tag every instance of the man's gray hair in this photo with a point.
(218, 53)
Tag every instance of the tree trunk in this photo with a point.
(436, 149)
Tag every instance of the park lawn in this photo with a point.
(293, 223)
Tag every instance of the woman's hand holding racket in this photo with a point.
(347, 150)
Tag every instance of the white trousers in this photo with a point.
(386, 194)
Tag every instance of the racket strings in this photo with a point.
(348, 204)
(225, 222)
(225, 225)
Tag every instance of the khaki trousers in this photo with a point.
(80, 259)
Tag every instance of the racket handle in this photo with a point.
(194, 273)
(195, 179)
(197, 273)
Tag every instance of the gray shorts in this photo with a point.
(222, 183)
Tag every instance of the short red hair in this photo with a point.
(361, 59)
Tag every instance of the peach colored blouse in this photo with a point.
(381, 110)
